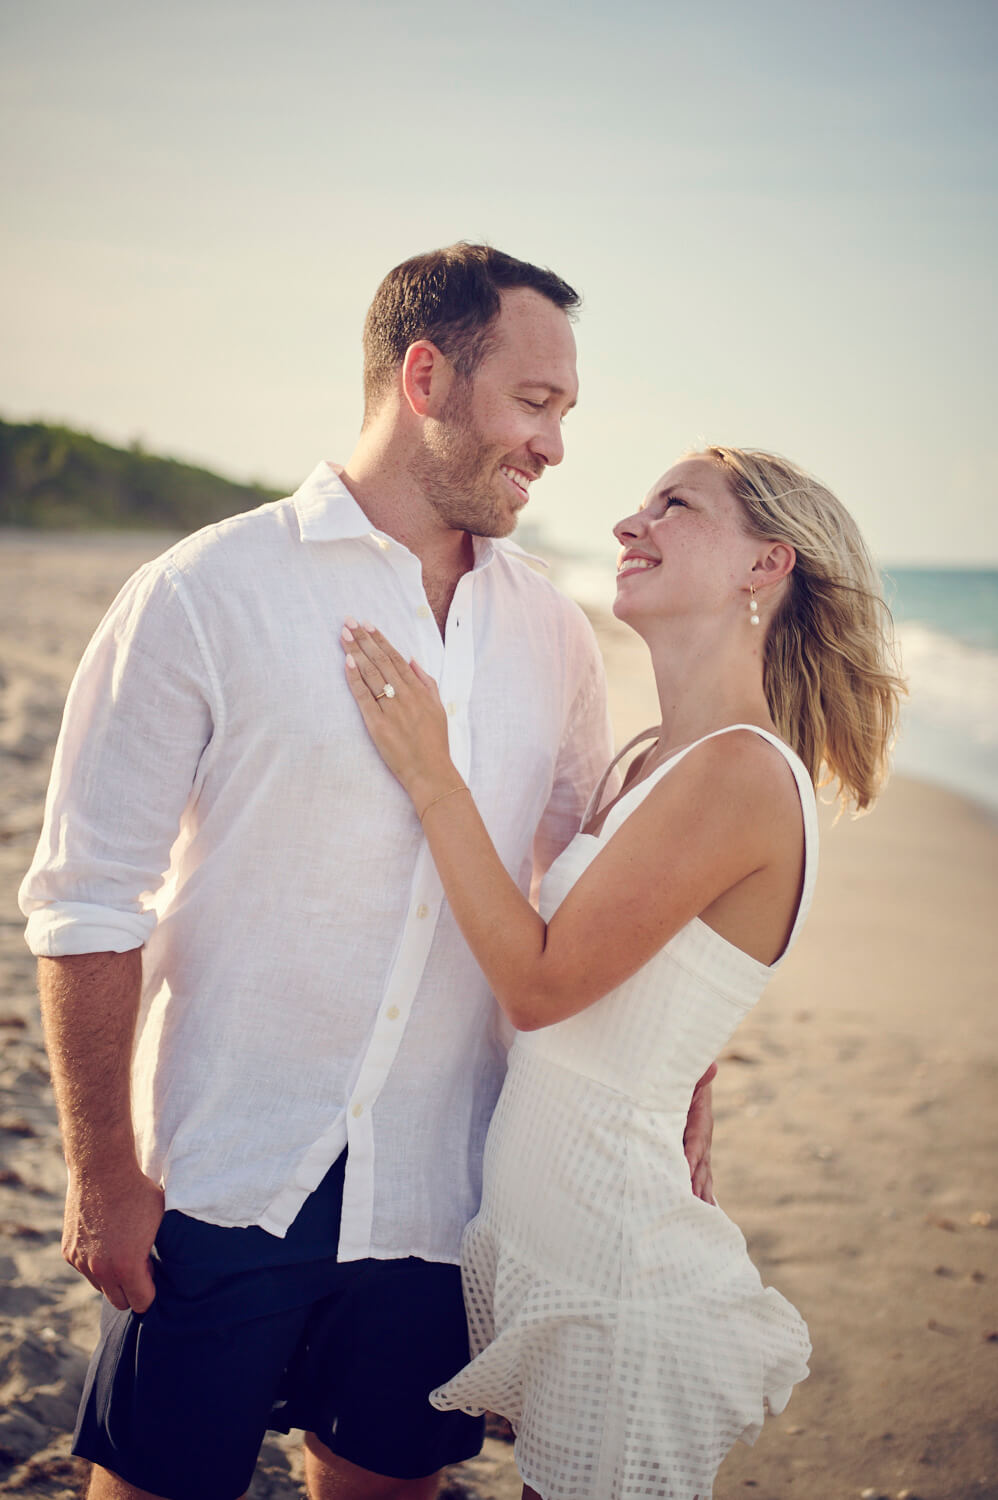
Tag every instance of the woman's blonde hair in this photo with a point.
(831, 672)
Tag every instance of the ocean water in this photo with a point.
(946, 621)
(947, 624)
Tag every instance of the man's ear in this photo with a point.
(427, 376)
(775, 562)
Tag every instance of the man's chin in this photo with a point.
(494, 527)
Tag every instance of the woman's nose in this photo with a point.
(629, 527)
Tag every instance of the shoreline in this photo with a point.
(856, 1119)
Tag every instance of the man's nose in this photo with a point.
(549, 444)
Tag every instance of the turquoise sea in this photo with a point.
(947, 623)
(947, 626)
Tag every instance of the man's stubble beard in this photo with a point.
(455, 474)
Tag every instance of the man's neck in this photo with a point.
(379, 479)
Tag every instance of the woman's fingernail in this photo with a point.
(350, 662)
(369, 628)
(350, 621)
(346, 633)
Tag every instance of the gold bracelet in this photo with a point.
(440, 798)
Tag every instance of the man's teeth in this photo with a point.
(520, 480)
(636, 562)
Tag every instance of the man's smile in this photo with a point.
(518, 479)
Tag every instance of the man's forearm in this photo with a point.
(89, 1007)
(90, 1004)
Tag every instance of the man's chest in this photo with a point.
(285, 699)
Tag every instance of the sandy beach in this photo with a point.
(856, 1114)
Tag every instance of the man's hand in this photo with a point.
(108, 1233)
(697, 1137)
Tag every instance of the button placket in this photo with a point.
(429, 648)
(450, 661)
(430, 651)
(399, 994)
(459, 666)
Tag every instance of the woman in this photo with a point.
(615, 1317)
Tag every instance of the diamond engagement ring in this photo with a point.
(386, 692)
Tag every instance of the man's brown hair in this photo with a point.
(452, 298)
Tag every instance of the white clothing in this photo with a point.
(615, 1318)
(215, 797)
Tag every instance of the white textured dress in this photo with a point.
(615, 1319)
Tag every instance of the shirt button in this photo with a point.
(392, 1012)
(452, 709)
(422, 612)
(357, 1111)
(422, 911)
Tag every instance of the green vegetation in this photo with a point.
(54, 478)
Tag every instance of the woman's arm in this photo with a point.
(703, 828)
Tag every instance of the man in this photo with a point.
(259, 1012)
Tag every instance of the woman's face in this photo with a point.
(686, 551)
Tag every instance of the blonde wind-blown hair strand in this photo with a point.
(831, 673)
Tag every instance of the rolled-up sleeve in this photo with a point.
(141, 711)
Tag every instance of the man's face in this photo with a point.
(501, 428)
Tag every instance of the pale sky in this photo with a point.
(781, 217)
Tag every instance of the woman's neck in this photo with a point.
(704, 685)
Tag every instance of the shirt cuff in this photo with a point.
(62, 928)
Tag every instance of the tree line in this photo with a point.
(54, 478)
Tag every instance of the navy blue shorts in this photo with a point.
(248, 1331)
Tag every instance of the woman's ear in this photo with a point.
(426, 378)
(775, 563)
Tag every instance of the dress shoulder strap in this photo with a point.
(594, 801)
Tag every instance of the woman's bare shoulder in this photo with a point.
(738, 774)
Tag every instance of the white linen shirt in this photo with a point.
(216, 798)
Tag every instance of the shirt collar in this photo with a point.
(327, 512)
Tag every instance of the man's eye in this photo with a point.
(534, 405)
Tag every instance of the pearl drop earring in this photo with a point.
(753, 606)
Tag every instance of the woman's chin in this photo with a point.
(622, 607)
(628, 613)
